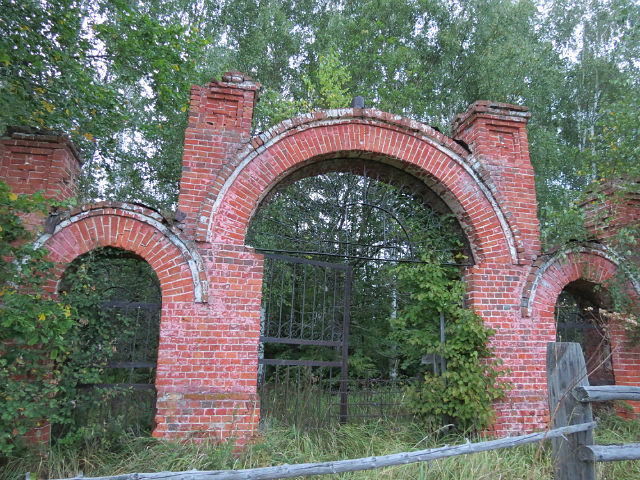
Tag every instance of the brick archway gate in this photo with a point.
(226, 173)
(211, 281)
(143, 231)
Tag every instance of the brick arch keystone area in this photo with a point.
(444, 165)
(135, 228)
(551, 273)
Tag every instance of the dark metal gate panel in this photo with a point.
(138, 349)
(127, 391)
(582, 324)
(305, 329)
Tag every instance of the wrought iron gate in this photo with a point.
(127, 391)
(304, 335)
(136, 352)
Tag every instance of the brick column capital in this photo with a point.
(481, 111)
(220, 117)
(39, 160)
(496, 134)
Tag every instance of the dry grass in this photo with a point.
(289, 445)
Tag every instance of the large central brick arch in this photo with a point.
(483, 175)
(443, 165)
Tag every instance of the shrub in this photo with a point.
(33, 326)
(464, 394)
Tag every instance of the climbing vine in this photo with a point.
(52, 348)
(33, 325)
(465, 392)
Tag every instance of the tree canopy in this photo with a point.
(115, 75)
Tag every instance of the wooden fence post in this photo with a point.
(566, 370)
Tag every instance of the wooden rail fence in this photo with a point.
(571, 435)
(570, 397)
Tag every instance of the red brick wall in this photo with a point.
(425, 153)
(211, 282)
(143, 231)
(497, 135)
(33, 161)
(482, 200)
(607, 212)
(207, 382)
(595, 264)
(219, 123)
(626, 361)
(610, 209)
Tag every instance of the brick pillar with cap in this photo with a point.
(219, 123)
(39, 161)
(496, 134)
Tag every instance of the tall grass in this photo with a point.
(291, 445)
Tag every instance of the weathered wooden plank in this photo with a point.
(610, 453)
(566, 370)
(353, 465)
(606, 392)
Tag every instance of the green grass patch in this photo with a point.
(291, 445)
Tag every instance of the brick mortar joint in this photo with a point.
(50, 137)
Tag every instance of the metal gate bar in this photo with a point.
(328, 324)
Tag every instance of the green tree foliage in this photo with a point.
(32, 326)
(329, 90)
(97, 285)
(616, 145)
(369, 224)
(49, 348)
(598, 44)
(465, 393)
(325, 88)
(114, 75)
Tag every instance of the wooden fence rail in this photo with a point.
(352, 465)
(570, 397)
(609, 392)
(574, 453)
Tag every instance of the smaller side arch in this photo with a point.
(552, 272)
(594, 263)
(138, 229)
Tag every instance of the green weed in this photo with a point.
(291, 445)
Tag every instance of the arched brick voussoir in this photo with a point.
(440, 162)
(138, 229)
(552, 272)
